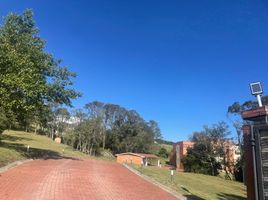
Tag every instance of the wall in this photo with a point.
(128, 158)
(179, 150)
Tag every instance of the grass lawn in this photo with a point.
(197, 186)
(13, 147)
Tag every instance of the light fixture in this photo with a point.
(256, 90)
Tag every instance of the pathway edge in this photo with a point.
(163, 187)
(13, 164)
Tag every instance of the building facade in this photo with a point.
(232, 154)
(178, 152)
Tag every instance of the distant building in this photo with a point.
(136, 158)
(232, 154)
(179, 151)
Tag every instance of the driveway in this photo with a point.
(65, 179)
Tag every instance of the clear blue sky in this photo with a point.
(178, 62)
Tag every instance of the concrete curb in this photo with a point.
(163, 187)
(14, 164)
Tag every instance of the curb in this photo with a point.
(163, 187)
(14, 164)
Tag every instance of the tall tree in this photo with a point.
(62, 117)
(96, 110)
(88, 136)
(156, 130)
(30, 77)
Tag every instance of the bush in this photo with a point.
(70, 139)
(200, 162)
(239, 170)
(162, 153)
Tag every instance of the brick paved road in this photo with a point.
(66, 179)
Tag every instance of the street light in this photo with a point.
(256, 90)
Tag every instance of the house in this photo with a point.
(136, 158)
(232, 154)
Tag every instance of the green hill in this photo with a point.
(13, 147)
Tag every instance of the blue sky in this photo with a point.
(181, 63)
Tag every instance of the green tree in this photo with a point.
(30, 77)
(156, 130)
(208, 148)
(88, 136)
(62, 117)
(199, 159)
(96, 110)
(163, 153)
(131, 133)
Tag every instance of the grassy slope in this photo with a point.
(13, 147)
(168, 147)
(198, 186)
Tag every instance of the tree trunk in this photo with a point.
(103, 141)
(90, 151)
(52, 132)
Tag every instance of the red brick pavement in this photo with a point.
(66, 179)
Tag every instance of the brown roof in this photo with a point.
(142, 155)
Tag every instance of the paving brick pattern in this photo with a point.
(67, 179)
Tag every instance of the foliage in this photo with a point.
(239, 170)
(209, 147)
(30, 78)
(234, 114)
(113, 127)
(236, 108)
(162, 141)
(163, 153)
(88, 136)
(3, 120)
(199, 160)
(62, 116)
(130, 133)
(156, 130)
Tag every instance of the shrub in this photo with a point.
(162, 153)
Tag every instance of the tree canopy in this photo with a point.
(116, 128)
(209, 146)
(30, 77)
